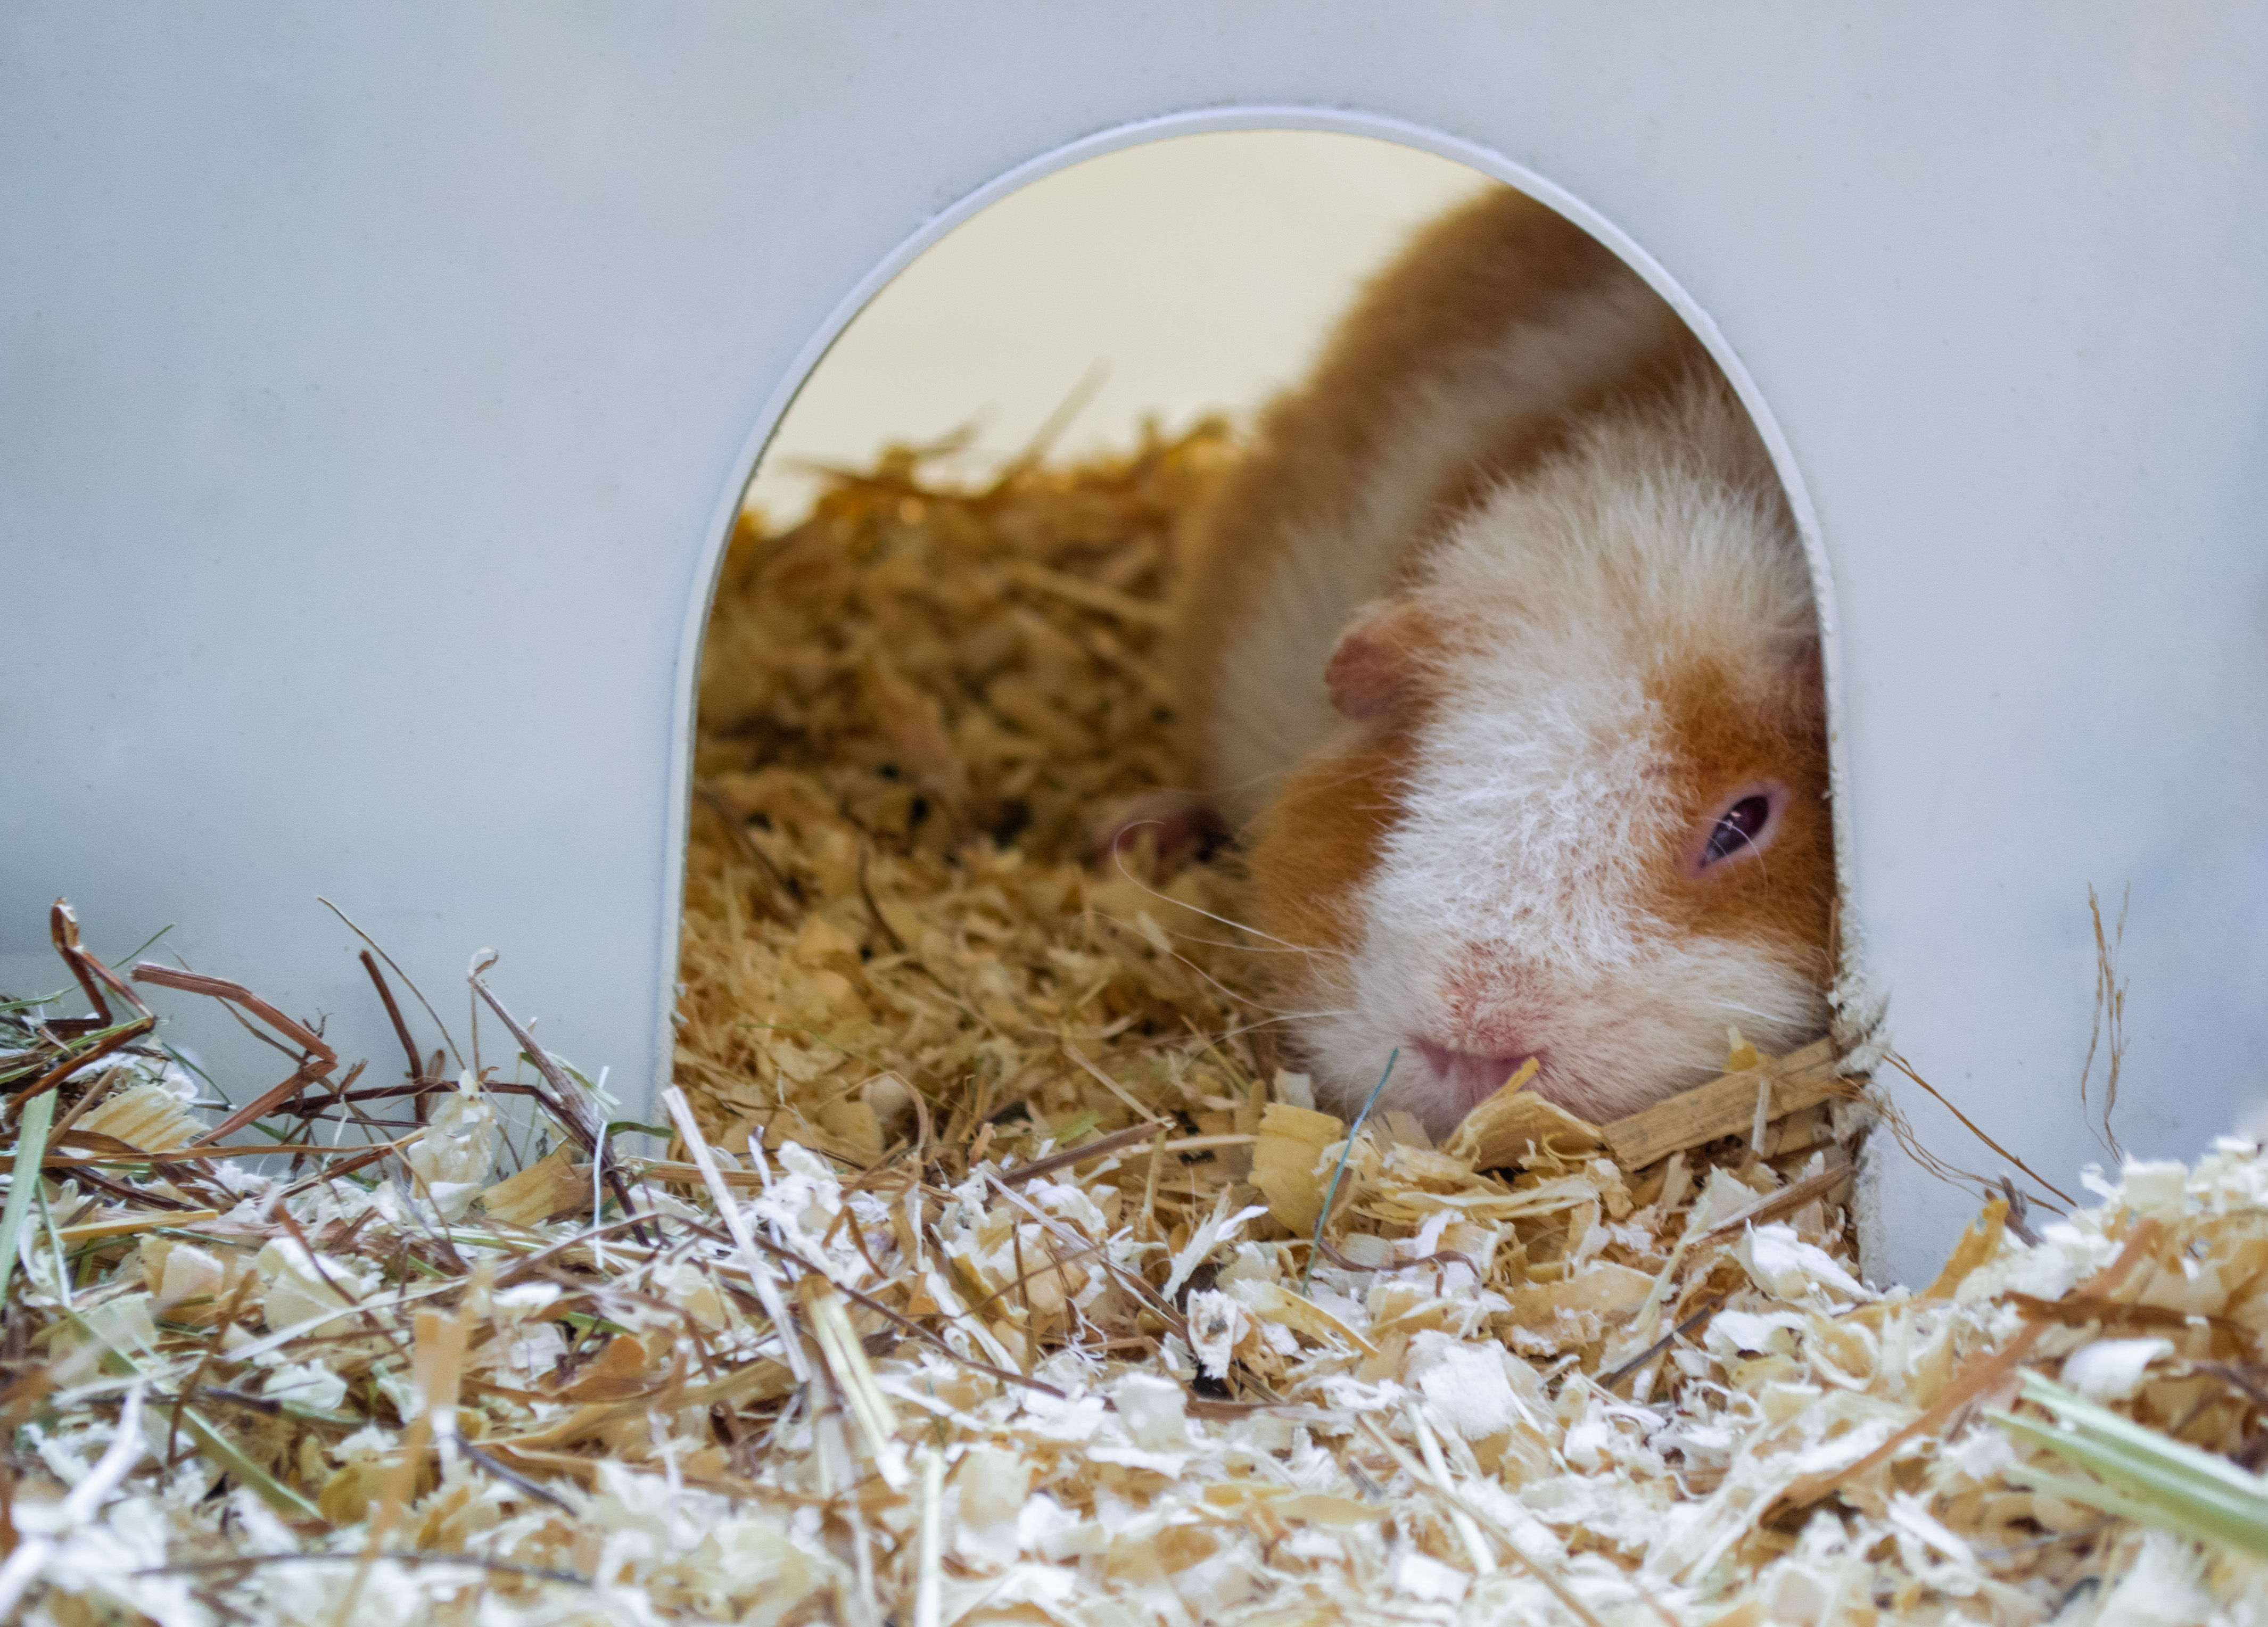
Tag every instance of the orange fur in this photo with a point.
(1318, 843)
(1488, 361)
(1501, 260)
(1727, 739)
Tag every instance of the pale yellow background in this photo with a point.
(1186, 276)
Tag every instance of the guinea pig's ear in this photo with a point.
(1378, 669)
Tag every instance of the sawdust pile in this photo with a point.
(913, 707)
(977, 1284)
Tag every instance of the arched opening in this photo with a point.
(942, 670)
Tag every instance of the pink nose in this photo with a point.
(1469, 1078)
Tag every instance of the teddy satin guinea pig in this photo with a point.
(1498, 653)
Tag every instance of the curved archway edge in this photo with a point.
(1118, 138)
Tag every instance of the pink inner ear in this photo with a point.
(1374, 670)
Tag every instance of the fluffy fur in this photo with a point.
(1335, 558)
(1573, 622)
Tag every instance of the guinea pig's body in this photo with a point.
(1499, 650)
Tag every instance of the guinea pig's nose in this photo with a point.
(1471, 1077)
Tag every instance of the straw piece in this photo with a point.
(1726, 1106)
(690, 1174)
(869, 1409)
(129, 1225)
(438, 1369)
(759, 1275)
(898, 965)
(1980, 1377)
(1980, 1241)
(1469, 1531)
(126, 1448)
(1536, 1568)
(929, 1587)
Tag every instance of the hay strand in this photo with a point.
(970, 1293)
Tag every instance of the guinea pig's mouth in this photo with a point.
(1471, 1079)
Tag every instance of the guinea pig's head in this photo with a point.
(1578, 810)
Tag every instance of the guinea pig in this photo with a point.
(1498, 650)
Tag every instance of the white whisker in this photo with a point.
(1226, 992)
(1269, 1022)
(1209, 914)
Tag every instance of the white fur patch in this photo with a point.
(1508, 914)
(1337, 562)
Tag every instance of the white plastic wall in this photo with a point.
(379, 382)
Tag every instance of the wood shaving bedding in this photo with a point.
(982, 1280)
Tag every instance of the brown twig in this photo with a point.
(237, 994)
(2019, 1225)
(1978, 1376)
(63, 930)
(513, 1478)
(527, 1265)
(317, 1058)
(1055, 1262)
(244, 1282)
(1445, 1256)
(245, 1561)
(753, 853)
(91, 1094)
(1906, 1067)
(1709, 1308)
(134, 1195)
(1117, 1140)
(115, 1040)
(2111, 1013)
(2252, 1380)
(1786, 1200)
(407, 980)
(400, 1028)
(1141, 1289)
(566, 1105)
(269, 1102)
(874, 910)
(368, 1156)
(880, 1309)
(2081, 1310)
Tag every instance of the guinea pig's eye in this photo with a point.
(1747, 825)
(1737, 828)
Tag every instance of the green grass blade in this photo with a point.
(1323, 1219)
(2142, 1472)
(2147, 1454)
(31, 1147)
(215, 1445)
(2090, 1493)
